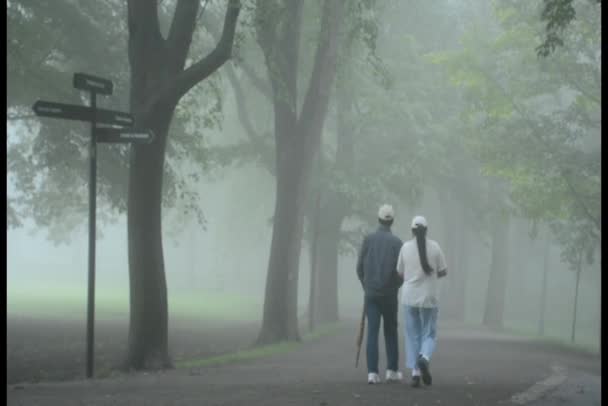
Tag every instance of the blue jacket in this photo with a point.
(377, 263)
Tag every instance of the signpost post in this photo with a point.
(94, 85)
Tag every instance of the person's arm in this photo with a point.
(399, 279)
(400, 264)
(399, 268)
(360, 260)
(441, 265)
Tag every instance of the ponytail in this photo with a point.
(420, 233)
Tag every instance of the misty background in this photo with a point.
(422, 104)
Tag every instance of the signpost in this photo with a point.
(121, 135)
(95, 85)
(81, 113)
(82, 81)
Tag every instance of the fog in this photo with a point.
(445, 111)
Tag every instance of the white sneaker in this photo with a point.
(373, 378)
(393, 376)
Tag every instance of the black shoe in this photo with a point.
(415, 381)
(423, 366)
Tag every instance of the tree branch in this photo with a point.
(204, 67)
(243, 113)
(266, 30)
(324, 70)
(181, 30)
(211, 24)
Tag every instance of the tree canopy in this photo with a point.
(536, 122)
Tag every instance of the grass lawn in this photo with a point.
(67, 302)
(583, 341)
(259, 352)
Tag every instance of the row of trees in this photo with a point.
(361, 114)
(534, 124)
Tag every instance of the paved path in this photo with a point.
(469, 368)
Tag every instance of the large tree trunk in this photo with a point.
(335, 206)
(280, 305)
(450, 245)
(599, 320)
(458, 276)
(314, 263)
(158, 81)
(148, 323)
(329, 241)
(148, 343)
(315, 224)
(297, 140)
(497, 284)
(328, 280)
(599, 316)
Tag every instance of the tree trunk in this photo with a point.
(578, 278)
(329, 241)
(158, 81)
(543, 292)
(297, 140)
(148, 330)
(599, 318)
(460, 267)
(497, 284)
(281, 299)
(336, 205)
(312, 293)
(328, 281)
(450, 247)
(314, 263)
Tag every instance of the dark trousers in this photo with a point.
(384, 307)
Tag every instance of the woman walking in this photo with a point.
(421, 263)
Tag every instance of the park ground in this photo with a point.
(472, 366)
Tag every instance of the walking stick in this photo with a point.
(360, 337)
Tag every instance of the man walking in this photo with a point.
(377, 271)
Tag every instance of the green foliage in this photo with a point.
(363, 17)
(535, 123)
(558, 15)
(402, 123)
(48, 159)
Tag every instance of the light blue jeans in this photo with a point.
(420, 333)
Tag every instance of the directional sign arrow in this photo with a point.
(96, 84)
(81, 113)
(122, 135)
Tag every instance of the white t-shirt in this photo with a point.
(420, 289)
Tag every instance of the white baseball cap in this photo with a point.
(419, 221)
(386, 212)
